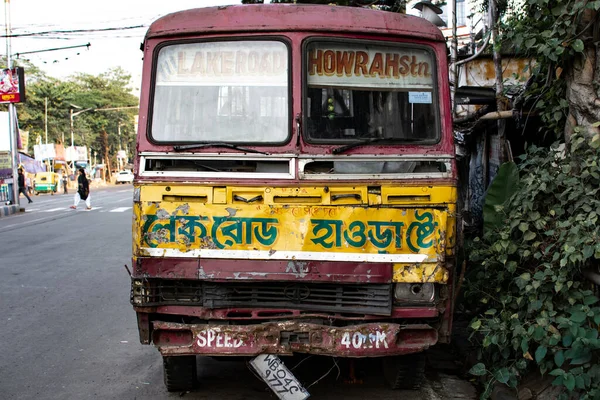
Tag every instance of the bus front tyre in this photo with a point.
(179, 373)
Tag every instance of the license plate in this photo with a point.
(281, 381)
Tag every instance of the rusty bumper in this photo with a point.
(287, 337)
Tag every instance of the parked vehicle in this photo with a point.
(296, 187)
(45, 182)
(124, 177)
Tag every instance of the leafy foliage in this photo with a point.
(502, 188)
(536, 309)
(50, 100)
(550, 32)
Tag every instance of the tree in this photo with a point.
(562, 37)
(536, 311)
(108, 90)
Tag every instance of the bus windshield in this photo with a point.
(221, 91)
(370, 93)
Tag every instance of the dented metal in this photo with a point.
(361, 340)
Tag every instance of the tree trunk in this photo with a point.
(583, 82)
(106, 156)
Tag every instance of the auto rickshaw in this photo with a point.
(46, 182)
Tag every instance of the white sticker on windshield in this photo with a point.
(419, 97)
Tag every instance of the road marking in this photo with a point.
(85, 209)
(120, 209)
(55, 209)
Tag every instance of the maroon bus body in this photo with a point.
(294, 24)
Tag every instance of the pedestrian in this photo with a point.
(28, 186)
(83, 190)
(65, 183)
(22, 186)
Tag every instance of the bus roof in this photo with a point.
(291, 17)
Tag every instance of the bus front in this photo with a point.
(295, 189)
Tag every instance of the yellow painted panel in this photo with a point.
(420, 273)
(299, 228)
(418, 195)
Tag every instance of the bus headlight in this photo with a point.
(410, 293)
(136, 194)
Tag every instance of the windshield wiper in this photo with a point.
(349, 146)
(216, 144)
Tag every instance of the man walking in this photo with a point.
(22, 187)
(65, 181)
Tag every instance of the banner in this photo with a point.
(4, 135)
(5, 161)
(12, 85)
(76, 153)
(30, 165)
(24, 140)
(5, 165)
(368, 66)
(60, 152)
(44, 151)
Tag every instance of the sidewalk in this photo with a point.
(8, 210)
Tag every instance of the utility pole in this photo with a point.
(46, 118)
(12, 115)
(71, 118)
(73, 115)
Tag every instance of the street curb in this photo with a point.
(8, 210)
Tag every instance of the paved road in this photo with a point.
(68, 331)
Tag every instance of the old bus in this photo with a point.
(295, 187)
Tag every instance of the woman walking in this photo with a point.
(83, 190)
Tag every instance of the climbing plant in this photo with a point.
(559, 35)
(537, 311)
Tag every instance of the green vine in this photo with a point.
(551, 33)
(536, 309)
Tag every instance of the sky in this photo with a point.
(117, 47)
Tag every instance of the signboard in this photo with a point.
(44, 151)
(12, 85)
(5, 166)
(4, 135)
(419, 97)
(368, 66)
(76, 153)
(59, 149)
(24, 140)
(5, 160)
(239, 63)
(294, 232)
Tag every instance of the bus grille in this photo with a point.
(325, 297)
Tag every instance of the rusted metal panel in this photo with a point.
(288, 337)
(265, 270)
(421, 273)
(481, 72)
(143, 321)
(274, 18)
